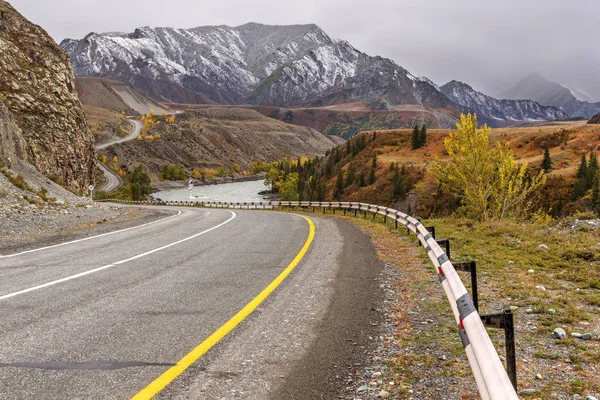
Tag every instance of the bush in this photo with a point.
(171, 172)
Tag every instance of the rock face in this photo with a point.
(12, 144)
(37, 86)
(595, 119)
(297, 65)
(509, 111)
(538, 88)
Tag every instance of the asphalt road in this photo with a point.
(113, 180)
(104, 317)
(137, 128)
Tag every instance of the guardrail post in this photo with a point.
(471, 267)
(505, 321)
(431, 229)
(446, 244)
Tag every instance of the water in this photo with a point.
(235, 191)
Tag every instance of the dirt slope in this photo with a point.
(214, 137)
(115, 96)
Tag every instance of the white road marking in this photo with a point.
(89, 238)
(79, 275)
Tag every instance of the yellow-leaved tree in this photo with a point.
(489, 181)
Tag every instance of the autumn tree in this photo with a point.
(491, 184)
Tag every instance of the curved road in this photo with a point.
(103, 317)
(113, 180)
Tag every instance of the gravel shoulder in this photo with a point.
(33, 228)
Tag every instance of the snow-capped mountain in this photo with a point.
(509, 111)
(536, 87)
(260, 64)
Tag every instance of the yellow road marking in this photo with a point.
(169, 375)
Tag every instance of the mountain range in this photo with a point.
(540, 89)
(499, 110)
(283, 66)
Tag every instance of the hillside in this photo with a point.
(37, 86)
(291, 66)
(595, 119)
(566, 143)
(217, 137)
(499, 112)
(115, 96)
(345, 120)
(536, 87)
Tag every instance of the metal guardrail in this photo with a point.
(491, 378)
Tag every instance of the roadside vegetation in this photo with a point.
(136, 186)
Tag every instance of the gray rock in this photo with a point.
(362, 389)
(559, 333)
(586, 336)
(551, 311)
(383, 394)
(576, 335)
(590, 398)
(525, 392)
(543, 247)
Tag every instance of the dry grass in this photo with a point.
(102, 120)
(527, 142)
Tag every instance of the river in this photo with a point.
(235, 191)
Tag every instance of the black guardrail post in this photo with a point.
(446, 244)
(471, 267)
(505, 321)
(431, 229)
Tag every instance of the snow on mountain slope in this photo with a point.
(500, 110)
(261, 64)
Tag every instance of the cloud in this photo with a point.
(486, 44)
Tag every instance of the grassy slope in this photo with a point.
(566, 144)
(512, 271)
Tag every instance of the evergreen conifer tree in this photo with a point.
(582, 178)
(592, 169)
(339, 186)
(547, 161)
(350, 175)
(423, 136)
(361, 179)
(414, 139)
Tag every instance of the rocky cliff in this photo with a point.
(38, 88)
(595, 119)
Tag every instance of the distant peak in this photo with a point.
(454, 83)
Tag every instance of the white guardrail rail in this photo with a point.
(491, 378)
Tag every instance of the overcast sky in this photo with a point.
(488, 44)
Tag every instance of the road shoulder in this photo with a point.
(76, 224)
